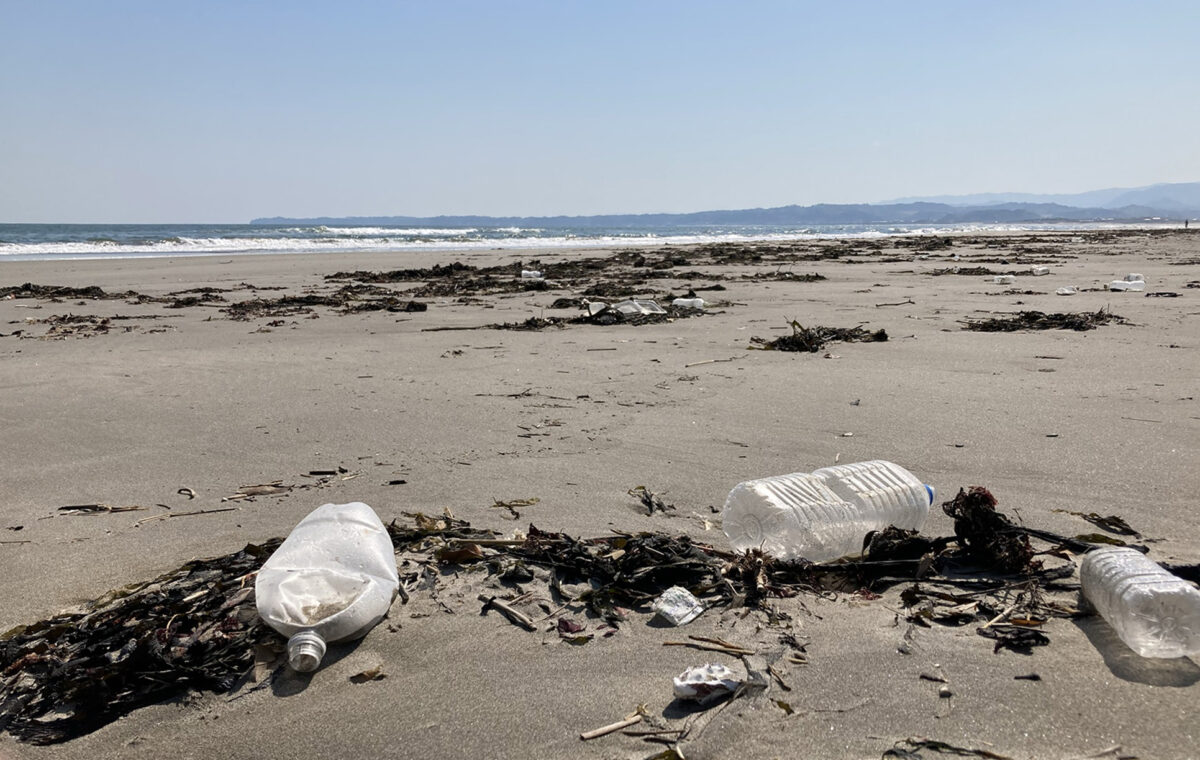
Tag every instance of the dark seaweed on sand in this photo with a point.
(813, 339)
(194, 629)
(1036, 320)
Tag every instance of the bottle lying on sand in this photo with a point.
(825, 514)
(1155, 613)
(332, 579)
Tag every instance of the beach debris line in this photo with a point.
(1037, 320)
(196, 629)
(813, 339)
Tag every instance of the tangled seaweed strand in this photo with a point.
(989, 537)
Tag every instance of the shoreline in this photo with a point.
(577, 415)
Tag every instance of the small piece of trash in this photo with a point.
(706, 682)
(677, 606)
(1067, 291)
(374, 674)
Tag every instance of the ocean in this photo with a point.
(25, 242)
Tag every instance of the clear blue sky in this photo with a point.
(131, 111)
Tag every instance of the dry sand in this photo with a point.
(1102, 421)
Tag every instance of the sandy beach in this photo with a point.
(142, 400)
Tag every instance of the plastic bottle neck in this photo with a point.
(305, 650)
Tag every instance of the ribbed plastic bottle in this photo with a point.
(1155, 613)
(332, 579)
(824, 514)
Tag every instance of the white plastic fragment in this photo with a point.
(677, 606)
(706, 682)
(1039, 271)
(639, 306)
(530, 274)
(689, 303)
(1067, 291)
(1004, 279)
(1131, 285)
(595, 307)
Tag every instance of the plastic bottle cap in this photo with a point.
(305, 650)
(929, 489)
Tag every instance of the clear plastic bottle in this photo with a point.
(825, 514)
(1155, 613)
(332, 579)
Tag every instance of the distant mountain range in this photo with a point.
(1163, 201)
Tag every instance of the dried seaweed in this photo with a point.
(813, 339)
(192, 629)
(1110, 523)
(988, 536)
(1037, 320)
(911, 748)
(60, 292)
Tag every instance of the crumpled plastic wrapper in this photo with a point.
(706, 682)
(677, 606)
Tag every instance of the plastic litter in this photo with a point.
(706, 682)
(1067, 291)
(1039, 271)
(595, 307)
(677, 606)
(1131, 285)
(530, 274)
(638, 306)
(825, 514)
(689, 303)
(1004, 279)
(332, 579)
(1155, 613)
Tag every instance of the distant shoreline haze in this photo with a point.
(1164, 202)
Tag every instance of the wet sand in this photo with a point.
(575, 416)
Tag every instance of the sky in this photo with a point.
(126, 111)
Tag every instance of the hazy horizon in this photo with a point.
(136, 112)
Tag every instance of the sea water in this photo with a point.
(88, 241)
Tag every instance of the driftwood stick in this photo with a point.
(631, 719)
(510, 612)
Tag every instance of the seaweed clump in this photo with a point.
(813, 339)
(192, 629)
(1037, 320)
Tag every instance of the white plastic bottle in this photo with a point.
(332, 579)
(825, 514)
(1155, 613)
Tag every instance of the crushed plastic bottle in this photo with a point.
(825, 514)
(332, 579)
(1155, 613)
(689, 303)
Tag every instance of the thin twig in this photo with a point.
(631, 719)
(510, 612)
(184, 514)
